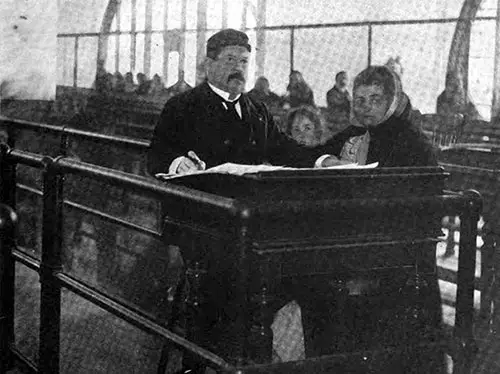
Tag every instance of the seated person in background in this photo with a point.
(129, 85)
(107, 84)
(101, 80)
(338, 100)
(119, 82)
(382, 130)
(395, 65)
(453, 101)
(261, 92)
(157, 87)
(143, 84)
(298, 92)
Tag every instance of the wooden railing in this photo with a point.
(53, 276)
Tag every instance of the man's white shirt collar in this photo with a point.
(221, 93)
(225, 96)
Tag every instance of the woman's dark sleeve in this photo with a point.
(415, 150)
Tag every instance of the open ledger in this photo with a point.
(241, 169)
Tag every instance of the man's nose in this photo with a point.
(365, 107)
(240, 66)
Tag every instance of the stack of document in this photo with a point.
(241, 169)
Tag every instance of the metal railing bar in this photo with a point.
(22, 257)
(137, 320)
(305, 26)
(26, 188)
(468, 168)
(123, 141)
(112, 219)
(98, 213)
(163, 189)
(153, 186)
(110, 139)
(26, 158)
(20, 124)
(27, 365)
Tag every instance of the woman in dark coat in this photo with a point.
(381, 132)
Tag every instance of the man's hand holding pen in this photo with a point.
(190, 163)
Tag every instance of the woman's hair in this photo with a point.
(379, 76)
(307, 112)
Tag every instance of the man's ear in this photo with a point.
(206, 64)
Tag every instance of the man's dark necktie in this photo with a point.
(231, 110)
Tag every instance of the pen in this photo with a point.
(196, 160)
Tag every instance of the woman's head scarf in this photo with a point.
(356, 148)
(385, 77)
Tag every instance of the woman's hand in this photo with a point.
(333, 161)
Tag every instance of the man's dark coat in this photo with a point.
(198, 121)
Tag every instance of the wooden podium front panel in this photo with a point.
(303, 227)
(307, 205)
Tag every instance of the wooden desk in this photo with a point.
(321, 228)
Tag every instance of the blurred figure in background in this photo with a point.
(298, 92)
(101, 80)
(129, 85)
(262, 92)
(119, 82)
(454, 100)
(338, 101)
(157, 87)
(395, 65)
(143, 84)
(110, 84)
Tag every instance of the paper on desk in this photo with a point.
(241, 169)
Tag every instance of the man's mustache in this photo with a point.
(237, 75)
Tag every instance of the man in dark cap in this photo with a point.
(215, 122)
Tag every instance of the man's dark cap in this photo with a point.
(225, 38)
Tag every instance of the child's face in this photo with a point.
(304, 131)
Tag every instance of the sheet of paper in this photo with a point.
(241, 169)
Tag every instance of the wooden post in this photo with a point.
(133, 35)
(50, 290)
(182, 40)
(75, 66)
(118, 37)
(495, 105)
(224, 14)
(244, 15)
(260, 53)
(147, 37)
(201, 39)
